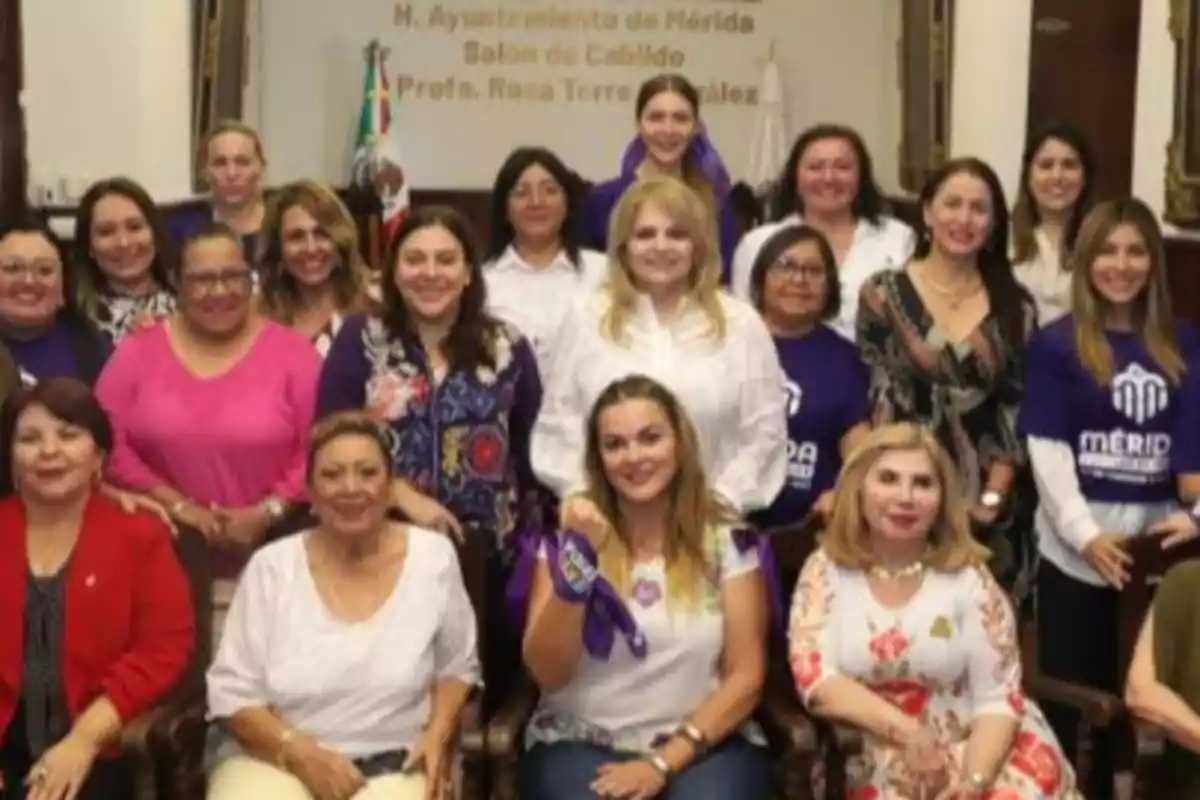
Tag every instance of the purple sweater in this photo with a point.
(603, 198)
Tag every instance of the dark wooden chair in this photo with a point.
(1099, 710)
(165, 745)
(832, 743)
(790, 733)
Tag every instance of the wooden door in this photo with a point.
(1083, 70)
(12, 118)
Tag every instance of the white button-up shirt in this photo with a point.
(732, 390)
(1044, 278)
(534, 300)
(887, 245)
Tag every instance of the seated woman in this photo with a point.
(326, 684)
(1163, 684)
(899, 629)
(313, 275)
(96, 619)
(125, 277)
(664, 712)
(41, 322)
(212, 408)
(794, 284)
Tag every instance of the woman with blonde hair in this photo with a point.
(313, 274)
(1103, 414)
(647, 625)
(899, 629)
(232, 164)
(662, 312)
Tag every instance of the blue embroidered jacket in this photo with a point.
(463, 441)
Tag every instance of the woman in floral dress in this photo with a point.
(899, 629)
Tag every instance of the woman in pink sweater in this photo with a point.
(212, 407)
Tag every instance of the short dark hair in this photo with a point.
(868, 204)
(510, 172)
(66, 399)
(779, 243)
(210, 229)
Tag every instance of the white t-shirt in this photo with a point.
(534, 301)
(624, 702)
(732, 389)
(360, 689)
(887, 245)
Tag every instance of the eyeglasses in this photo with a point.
(208, 282)
(796, 271)
(38, 271)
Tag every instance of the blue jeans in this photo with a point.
(736, 770)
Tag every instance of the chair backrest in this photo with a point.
(1150, 563)
(791, 545)
(191, 546)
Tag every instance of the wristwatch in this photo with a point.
(990, 499)
(978, 781)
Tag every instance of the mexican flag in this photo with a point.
(378, 160)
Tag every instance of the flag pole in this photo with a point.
(374, 256)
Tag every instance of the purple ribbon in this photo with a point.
(745, 539)
(606, 613)
(701, 153)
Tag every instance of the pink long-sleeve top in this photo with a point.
(233, 439)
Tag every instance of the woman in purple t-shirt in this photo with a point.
(794, 285)
(1103, 417)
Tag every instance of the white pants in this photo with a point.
(245, 778)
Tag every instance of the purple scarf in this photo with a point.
(700, 152)
(607, 613)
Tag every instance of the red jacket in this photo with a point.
(129, 627)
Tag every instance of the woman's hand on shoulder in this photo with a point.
(132, 503)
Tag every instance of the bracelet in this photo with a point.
(574, 569)
(178, 507)
(660, 766)
(695, 737)
(281, 752)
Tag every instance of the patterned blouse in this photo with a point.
(463, 441)
(117, 315)
(967, 392)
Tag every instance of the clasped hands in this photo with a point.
(930, 763)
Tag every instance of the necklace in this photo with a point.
(954, 296)
(898, 574)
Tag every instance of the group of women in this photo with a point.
(608, 391)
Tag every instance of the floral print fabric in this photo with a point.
(946, 657)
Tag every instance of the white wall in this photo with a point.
(990, 89)
(108, 89)
(107, 92)
(990, 103)
(838, 59)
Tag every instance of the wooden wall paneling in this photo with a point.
(1183, 273)
(13, 167)
(926, 58)
(1183, 151)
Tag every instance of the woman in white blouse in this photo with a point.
(828, 184)
(659, 703)
(535, 265)
(326, 685)
(662, 313)
(1058, 186)
(313, 275)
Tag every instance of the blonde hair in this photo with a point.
(280, 296)
(695, 511)
(221, 128)
(677, 200)
(1153, 319)
(846, 538)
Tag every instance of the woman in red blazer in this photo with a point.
(96, 620)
